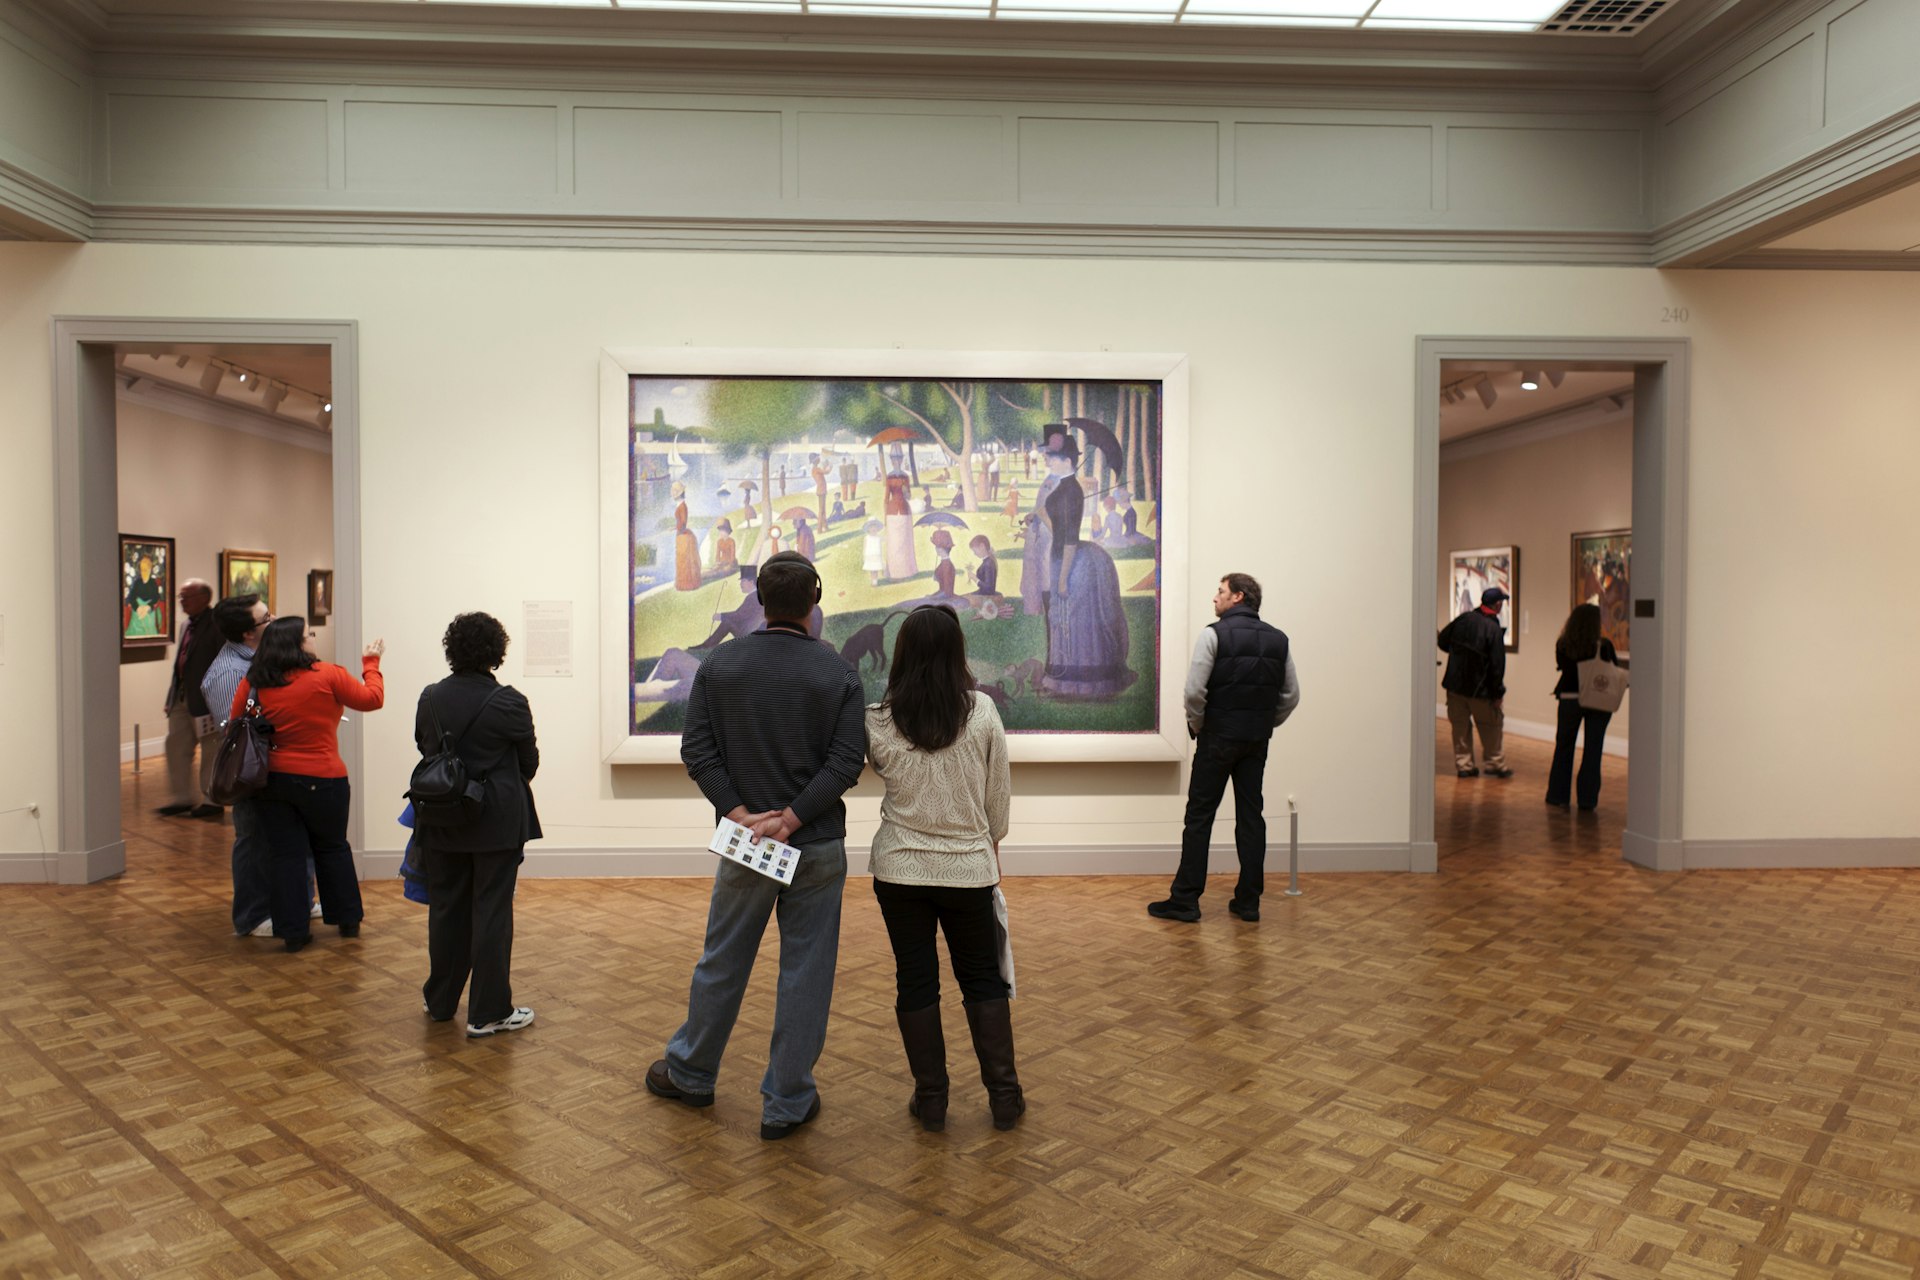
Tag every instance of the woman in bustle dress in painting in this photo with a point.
(686, 547)
(1086, 625)
(898, 510)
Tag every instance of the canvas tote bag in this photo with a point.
(1603, 685)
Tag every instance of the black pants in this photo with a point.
(973, 944)
(301, 818)
(1560, 775)
(469, 931)
(1216, 761)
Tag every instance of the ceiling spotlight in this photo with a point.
(1529, 381)
(242, 374)
(327, 407)
(212, 376)
(1556, 376)
(326, 418)
(272, 395)
(1487, 392)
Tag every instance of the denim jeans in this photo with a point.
(304, 818)
(809, 913)
(1217, 761)
(251, 898)
(1560, 780)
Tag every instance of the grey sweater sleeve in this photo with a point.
(1197, 676)
(1289, 694)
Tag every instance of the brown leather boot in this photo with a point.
(927, 1058)
(992, 1025)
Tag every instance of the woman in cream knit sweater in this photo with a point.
(939, 746)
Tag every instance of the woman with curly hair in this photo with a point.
(473, 861)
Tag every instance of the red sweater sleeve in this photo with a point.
(351, 693)
(239, 700)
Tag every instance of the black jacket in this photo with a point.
(207, 643)
(1476, 648)
(1570, 666)
(499, 746)
(1249, 673)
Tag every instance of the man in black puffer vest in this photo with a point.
(1240, 688)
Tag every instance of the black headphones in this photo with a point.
(790, 557)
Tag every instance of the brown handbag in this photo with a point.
(240, 766)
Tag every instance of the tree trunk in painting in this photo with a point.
(962, 397)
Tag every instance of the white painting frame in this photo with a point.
(617, 365)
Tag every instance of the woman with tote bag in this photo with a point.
(1580, 642)
(938, 744)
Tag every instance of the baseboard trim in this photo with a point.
(1653, 854)
(154, 749)
(1615, 744)
(29, 868)
(1814, 852)
(63, 866)
(548, 863)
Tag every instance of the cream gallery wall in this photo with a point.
(480, 409)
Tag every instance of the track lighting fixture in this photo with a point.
(242, 375)
(272, 395)
(1485, 388)
(1529, 381)
(1556, 377)
(327, 407)
(212, 376)
(326, 417)
(180, 362)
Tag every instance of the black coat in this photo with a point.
(1476, 647)
(207, 644)
(499, 746)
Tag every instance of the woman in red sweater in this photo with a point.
(303, 810)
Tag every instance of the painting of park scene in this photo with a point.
(1031, 508)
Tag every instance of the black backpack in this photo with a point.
(442, 793)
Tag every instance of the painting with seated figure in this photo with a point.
(1031, 508)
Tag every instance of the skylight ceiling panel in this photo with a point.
(715, 6)
(899, 9)
(1529, 12)
(1143, 8)
(1347, 9)
(1191, 18)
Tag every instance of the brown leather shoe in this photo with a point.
(661, 1085)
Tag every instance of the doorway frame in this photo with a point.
(86, 526)
(1661, 396)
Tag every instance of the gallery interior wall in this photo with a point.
(1536, 496)
(480, 396)
(210, 487)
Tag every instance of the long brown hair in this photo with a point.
(1580, 637)
(930, 690)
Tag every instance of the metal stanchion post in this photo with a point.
(1293, 848)
(136, 748)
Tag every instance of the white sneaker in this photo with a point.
(315, 913)
(519, 1018)
(262, 930)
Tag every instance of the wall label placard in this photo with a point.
(546, 638)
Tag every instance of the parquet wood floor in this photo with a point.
(1541, 1062)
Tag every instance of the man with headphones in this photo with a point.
(775, 733)
(751, 615)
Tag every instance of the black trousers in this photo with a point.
(300, 818)
(1216, 762)
(469, 931)
(912, 911)
(1560, 778)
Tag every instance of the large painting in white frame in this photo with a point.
(692, 498)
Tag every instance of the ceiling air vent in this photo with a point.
(1604, 17)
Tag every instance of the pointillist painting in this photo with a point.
(1602, 575)
(248, 573)
(1032, 508)
(1472, 572)
(146, 591)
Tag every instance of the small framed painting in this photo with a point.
(1602, 575)
(146, 592)
(249, 573)
(1472, 572)
(319, 596)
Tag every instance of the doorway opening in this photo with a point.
(1550, 474)
(222, 451)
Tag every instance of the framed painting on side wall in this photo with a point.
(1040, 496)
(249, 573)
(1471, 572)
(319, 596)
(1602, 575)
(147, 590)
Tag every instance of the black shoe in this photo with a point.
(173, 810)
(1171, 910)
(1561, 805)
(1499, 773)
(350, 930)
(661, 1085)
(1245, 912)
(207, 812)
(1588, 808)
(300, 943)
(1466, 773)
(774, 1132)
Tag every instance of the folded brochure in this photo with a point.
(769, 857)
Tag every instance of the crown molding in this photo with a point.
(492, 230)
(1821, 260)
(35, 209)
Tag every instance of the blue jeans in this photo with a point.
(1560, 778)
(301, 819)
(251, 902)
(809, 911)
